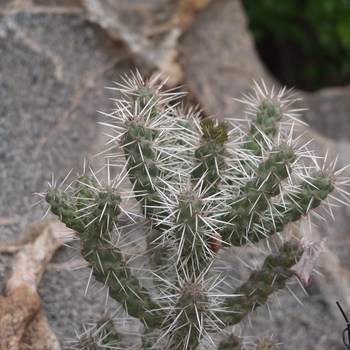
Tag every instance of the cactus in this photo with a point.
(266, 344)
(201, 187)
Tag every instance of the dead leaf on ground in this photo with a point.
(23, 326)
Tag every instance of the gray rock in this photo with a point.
(54, 66)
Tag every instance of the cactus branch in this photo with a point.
(199, 187)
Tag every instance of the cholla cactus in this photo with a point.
(201, 186)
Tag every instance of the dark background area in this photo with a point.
(304, 43)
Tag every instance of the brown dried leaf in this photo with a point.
(22, 323)
(31, 260)
(303, 268)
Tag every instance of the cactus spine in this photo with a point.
(201, 188)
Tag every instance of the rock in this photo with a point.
(54, 66)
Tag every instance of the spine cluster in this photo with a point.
(202, 186)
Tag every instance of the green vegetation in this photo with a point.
(303, 42)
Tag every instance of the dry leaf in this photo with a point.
(303, 268)
(23, 326)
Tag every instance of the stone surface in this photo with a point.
(54, 65)
(54, 68)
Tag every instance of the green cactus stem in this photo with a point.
(261, 284)
(308, 196)
(211, 155)
(255, 196)
(265, 126)
(188, 326)
(141, 164)
(94, 226)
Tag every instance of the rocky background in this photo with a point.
(57, 57)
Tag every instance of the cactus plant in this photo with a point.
(200, 187)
